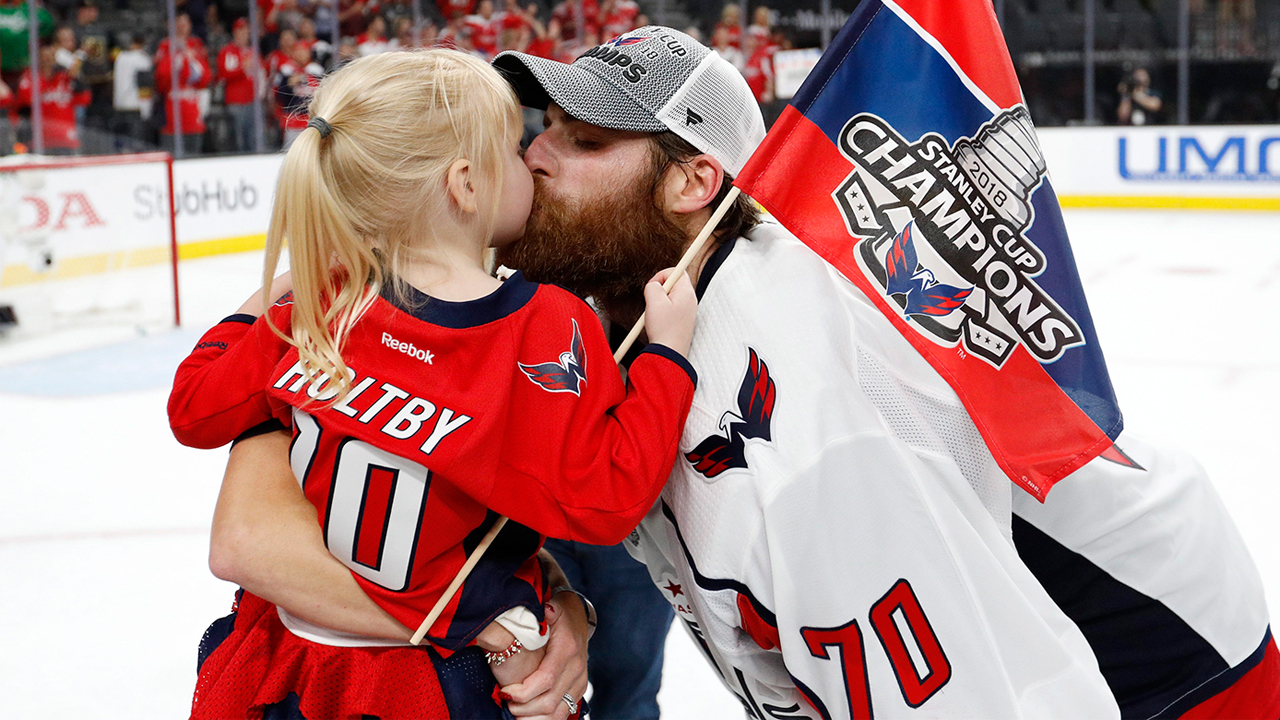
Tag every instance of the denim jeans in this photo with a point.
(242, 120)
(625, 664)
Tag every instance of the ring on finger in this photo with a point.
(573, 704)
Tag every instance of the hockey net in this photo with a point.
(87, 243)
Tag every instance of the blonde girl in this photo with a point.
(426, 398)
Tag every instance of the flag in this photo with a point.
(908, 161)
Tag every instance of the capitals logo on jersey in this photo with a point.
(625, 41)
(566, 375)
(756, 398)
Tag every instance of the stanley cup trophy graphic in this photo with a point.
(943, 231)
(1005, 164)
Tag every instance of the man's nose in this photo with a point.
(538, 159)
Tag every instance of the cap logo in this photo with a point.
(610, 56)
(624, 41)
(691, 117)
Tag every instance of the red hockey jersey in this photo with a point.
(507, 404)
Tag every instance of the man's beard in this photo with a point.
(605, 247)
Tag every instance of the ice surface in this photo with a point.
(104, 517)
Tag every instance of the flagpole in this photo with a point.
(683, 265)
(457, 581)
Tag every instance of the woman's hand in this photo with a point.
(563, 669)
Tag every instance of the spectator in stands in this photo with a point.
(193, 74)
(196, 11)
(760, 26)
(449, 7)
(617, 17)
(14, 57)
(218, 36)
(513, 39)
(393, 11)
(66, 52)
(484, 27)
(295, 84)
(577, 18)
(402, 37)
(320, 14)
(96, 74)
(87, 24)
(238, 71)
(347, 51)
(731, 21)
(307, 33)
(758, 69)
(282, 53)
(60, 95)
(283, 15)
(374, 40)
(133, 82)
(545, 40)
(720, 43)
(512, 16)
(1139, 104)
(456, 34)
(354, 16)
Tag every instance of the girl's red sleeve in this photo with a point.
(220, 390)
(586, 460)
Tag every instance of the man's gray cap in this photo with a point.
(649, 80)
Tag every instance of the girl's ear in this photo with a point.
(461, 186)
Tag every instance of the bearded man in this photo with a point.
(834, 490)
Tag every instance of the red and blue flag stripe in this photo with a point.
(932, 81)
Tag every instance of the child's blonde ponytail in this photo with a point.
(353, 204)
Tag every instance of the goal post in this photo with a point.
(88, 241)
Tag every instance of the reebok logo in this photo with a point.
(691, 117)
(407, 348)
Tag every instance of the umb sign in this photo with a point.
(1232, 159)
(1235, 167)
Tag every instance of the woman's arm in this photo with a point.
(266, 539)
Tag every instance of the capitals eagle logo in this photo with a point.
(756, 398)
(924, 295)
(567, 375)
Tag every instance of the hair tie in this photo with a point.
(322, 125)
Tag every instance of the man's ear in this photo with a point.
(460, 185)
(691, 186)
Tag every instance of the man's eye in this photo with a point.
(585, 144)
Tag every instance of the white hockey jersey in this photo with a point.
(838, 539)
(1137, 549)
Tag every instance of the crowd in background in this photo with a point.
(107, 92)
(107, 84)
